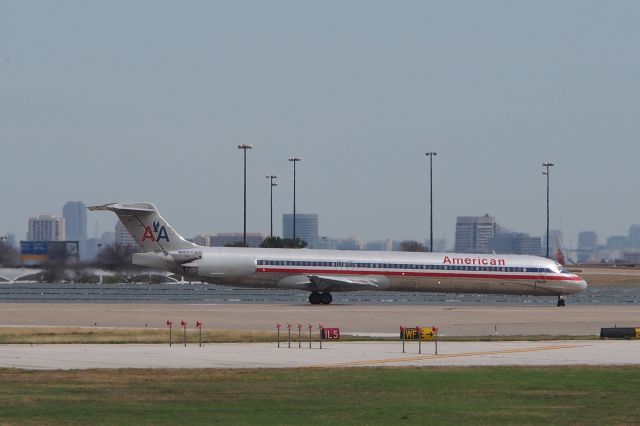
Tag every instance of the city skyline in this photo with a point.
(472, 234)
(150, 105)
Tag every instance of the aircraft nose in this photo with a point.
(583, 285)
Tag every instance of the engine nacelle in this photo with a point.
(185, 255)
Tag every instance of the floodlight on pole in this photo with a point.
(272, 183)
(294, 160)
(244, 148)
(431, 155)
(546, 172)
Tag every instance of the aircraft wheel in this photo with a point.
(561, 302)
(326, 298)
(315, 298)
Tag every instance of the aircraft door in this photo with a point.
(541, 280)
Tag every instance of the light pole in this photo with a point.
(272, 183)
(294, 160)
(547, 166)
(431, 154)
(3, 238)
(244, 148)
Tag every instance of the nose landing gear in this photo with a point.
(561, 302)
(316, 298)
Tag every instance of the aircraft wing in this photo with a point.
(321, 283)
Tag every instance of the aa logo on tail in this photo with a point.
(156, 233)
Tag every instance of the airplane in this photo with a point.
(322, 272)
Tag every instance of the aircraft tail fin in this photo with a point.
(147, 227)
(560, 257)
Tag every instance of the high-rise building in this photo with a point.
(617, 242)
(526, 244)
(473, 233)
(515, 243)
(634, 236)
(123, 237)
(383, 245)
(588, 240)
(46, 228)
(202, 240)
(306, 228)
(587, 245)
(75, 220)
(222, 239)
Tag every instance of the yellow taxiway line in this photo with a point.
(453, 355)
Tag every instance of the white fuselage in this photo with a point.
(430, 272)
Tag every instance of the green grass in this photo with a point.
(87, 335)
(501, 395)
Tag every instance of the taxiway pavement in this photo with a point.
(333, 354)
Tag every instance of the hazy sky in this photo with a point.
(119, 101)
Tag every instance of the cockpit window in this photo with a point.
(561, 269)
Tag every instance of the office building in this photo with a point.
(46, 228)
(306, 228)
(515, 243)
(617, 242)
(473, 233)
(75, 220)
(350, 243)
(588, 240)
(202, 240)
(634, 236)
(587, 245)
(235, 238)
(383, 245)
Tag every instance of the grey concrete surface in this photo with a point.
(372, 319)
(333, 354)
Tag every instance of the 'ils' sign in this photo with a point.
(331, 333)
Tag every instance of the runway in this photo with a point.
(333, 354)
(354, 319)
(351, 319)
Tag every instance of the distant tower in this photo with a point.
(588, 240)
(75, 220)
(46, 228)
(306, 228)
(474, 232)
(587, 245)
(634, 236)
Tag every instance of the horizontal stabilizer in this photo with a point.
(132, 207)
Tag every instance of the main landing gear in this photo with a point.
(561, 302)
(316, 298)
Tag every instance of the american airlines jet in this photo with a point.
(322, 272)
